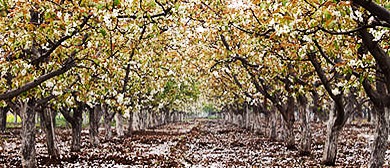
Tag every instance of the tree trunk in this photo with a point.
(15, 118)
(368, 112)
(76, 123)
(49, 128)
(305, 145)
(3, 118)
(167, 117)
(273, 126)
(142, 119)
(289, 119)
(290, 140)
(107, 122)
(76, 135)
(28, 135)
(330, 147)
(94, 120)
(130, 125)
(374, 118)
(379, 146)
(119, 124)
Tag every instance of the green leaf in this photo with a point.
(100, 6)
(116, 2)
(336, 45)
(327, 15)
(177, 5)
(104, 33)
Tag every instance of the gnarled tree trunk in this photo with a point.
(107, 121)
(272, 132)
(130, 125)
(119, 124)
(3, 118)
(76, 135)
(94, 122)
(76, 123)
(333, 131)
(289, 123)
(27, 111)
(379, 146)
(49, 128)
(305, 145)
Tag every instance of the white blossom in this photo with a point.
(378, 34)
(49, 84)
(56, 93)
(59, 14)
(336, 91)
(120, 98)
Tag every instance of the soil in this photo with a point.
(199, 143)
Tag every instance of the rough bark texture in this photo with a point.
(130, 125)
(76, 136)
(289, 121)
(3, 118)
(167, 117)
(107, 121)
(27, 112)
(305, 144)
(75, 122)
(142, 119)
(272, 126)
(119, 124)
(49, 127)
(94, 119)
(374, 118)
(330, 147)
(379, 146)
(290, 139)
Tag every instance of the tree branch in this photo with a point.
(32, 84)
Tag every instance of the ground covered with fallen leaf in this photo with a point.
(195, 143)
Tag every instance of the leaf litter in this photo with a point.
(195, 143)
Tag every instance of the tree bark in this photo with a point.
(379, 146)
(290, 140)
(94, 122)
(27, 112)
(119, 124)
(305, 144)
(76, 135)
(49, 129)
(330, 147)
(76, 123)
(3, 118)
(273, 126)
(167, 117)
(374, 118)
(107, 121)
(289, 122)
(142, 118)
(130, 125)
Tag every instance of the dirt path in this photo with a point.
(214, 143)
(205, 143)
